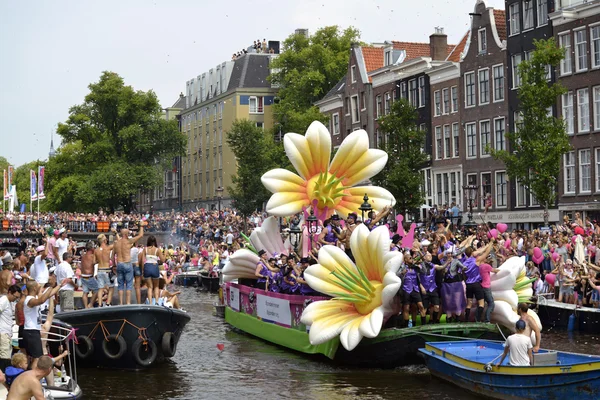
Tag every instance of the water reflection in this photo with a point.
(249, 368)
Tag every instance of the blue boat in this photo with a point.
(554, 375)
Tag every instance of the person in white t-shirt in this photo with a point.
(65, 277)
(518, 347)
(62, 244)
(7, 310)
(39, 270)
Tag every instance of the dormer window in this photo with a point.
(482, 41)
(353, 73)
(387, 58)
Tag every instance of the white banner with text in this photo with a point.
(273, 309)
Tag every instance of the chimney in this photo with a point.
(438, 45)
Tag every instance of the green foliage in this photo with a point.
(306, 70)
(541, 140)
(404, 144)
(3, 164)
(255, 153)
(112, 145)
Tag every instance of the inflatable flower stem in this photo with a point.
(249, 244)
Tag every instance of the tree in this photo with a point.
(112, 144)
(540, 141)
(404, 145)
(255, 154)
(22, 180)
(3, 163)
(306, 70)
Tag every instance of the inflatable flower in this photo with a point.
(510, 287)
(324, 185)
(362, 293)
(242, 263)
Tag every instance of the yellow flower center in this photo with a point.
(326, 189)
(365, 307)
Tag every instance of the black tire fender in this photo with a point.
(108, 350)
(84, 347)
(168, 344)
(144, 352)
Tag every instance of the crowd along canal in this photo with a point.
(248, 368)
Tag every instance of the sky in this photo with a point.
(50, 51)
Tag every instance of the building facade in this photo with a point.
(214, 100)
(576, 26)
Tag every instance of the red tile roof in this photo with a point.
(373, 57)
(454, 54)
(413, 50)
(500, 20)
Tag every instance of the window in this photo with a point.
(256, 105)
(355, 109)
(455, 139)
(516, 79)
(215, 111)
(482, 41)
(471, 141)
(498, 82)
(421, 91)
(521, 195)
(583, 110)
(595, 44)
(484, 86)
(585, 171)
(379, 106)
(514, 21)
(438, 142)
(569, 168)
(597, 170)
(446, 100)
(501, 189)
(527, 14)
(565, 63)
(542, 12)
(403, 93)
(347, 105)
(499, 134)
(260, 125)
(388, 57)
(363, 102)
(484, 132)
(580, 50)
(454, 91)
(597, 108)
(486, 187)
(353, 73)
(567, 112)
(387, 103)
(335, 122)
(437, 99)
(447, 142)
(221, 105)
(470, 89)
(412, 90)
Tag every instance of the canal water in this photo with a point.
(248, 368)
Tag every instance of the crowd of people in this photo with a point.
(257, 47)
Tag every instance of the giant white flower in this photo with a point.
(326, 186)
(363, 293)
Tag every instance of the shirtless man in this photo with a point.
(102, 257)
(122, 248)
(531, 326)
(27, 385)
(347, 232)
(6, 277)
(88, 278)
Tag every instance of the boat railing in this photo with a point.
(58, 334)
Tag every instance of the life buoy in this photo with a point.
(84, 347)
(168, 344)
(114, 347)
(144, 352)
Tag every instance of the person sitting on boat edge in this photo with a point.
(518, 347)
(531, 326)
(28, 385)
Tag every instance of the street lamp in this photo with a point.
(295, 233)
(365, 207)
(471, 192)
(311, 220)
(219, 191)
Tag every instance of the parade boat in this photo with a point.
(210, 283)
(125, 337)
(276, 318)
(559, 315)
(358, 295)
(189, 278)
(471, 365)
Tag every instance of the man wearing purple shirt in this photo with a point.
(471, 262)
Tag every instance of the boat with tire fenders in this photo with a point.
(554, 375)
(556, 315)
(129, 337)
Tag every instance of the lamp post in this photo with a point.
(219, 191)
(471, 193)
(295, 233)
(311, 220)
(365, 207)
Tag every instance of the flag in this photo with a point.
(5, 185)
(41, 172)
(10, 179)
(33, 185)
